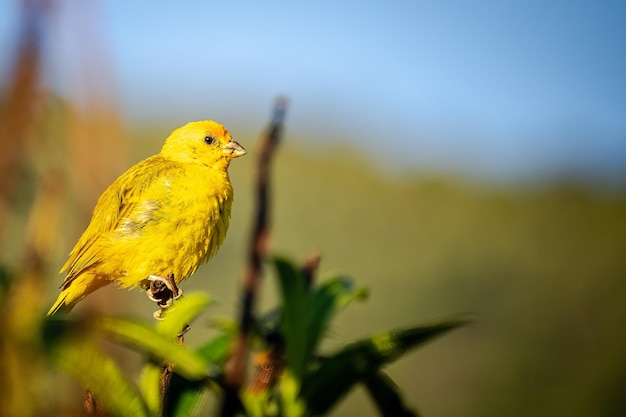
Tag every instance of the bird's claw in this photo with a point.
(162, 291)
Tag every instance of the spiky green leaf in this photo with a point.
(146, 339)
(387, 396)
(150, 385)
(184, 310)
(337, 374)
(215, 352)
(70, 347)
(330, 296)
(296, 308)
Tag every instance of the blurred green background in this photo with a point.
(526, 231)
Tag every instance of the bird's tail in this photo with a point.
(62, 304)
(75, 290)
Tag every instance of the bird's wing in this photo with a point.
(120, 202)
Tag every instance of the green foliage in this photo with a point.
(311, 383)
(306, 313)
(387, 396)
(361, 361)
(70, 345)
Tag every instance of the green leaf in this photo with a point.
(216, 351)
(191, 398)
(296, 307)
(387, 396)
(71, 349)
(188, 397)
(184, 397)
(305, 313)
(145, 339)
(330, 296)
(183, 311)
(337, 374)
(102, 377)
(150, 386)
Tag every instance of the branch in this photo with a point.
(236, 366)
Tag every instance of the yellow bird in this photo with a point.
(160, 220)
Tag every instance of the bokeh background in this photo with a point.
(453, 157)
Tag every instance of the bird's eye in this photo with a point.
(209, 140)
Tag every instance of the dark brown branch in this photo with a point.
(236, 368)
(167, 372)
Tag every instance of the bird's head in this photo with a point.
(206, 142)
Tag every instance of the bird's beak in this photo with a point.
(233, 149)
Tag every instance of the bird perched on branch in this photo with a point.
(159, 221)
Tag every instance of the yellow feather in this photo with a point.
(167, 214)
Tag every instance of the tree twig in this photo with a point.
(91, 406)
(236, 368)
(166, 378)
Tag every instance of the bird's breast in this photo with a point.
(197, 213)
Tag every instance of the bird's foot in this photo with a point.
(163, 291)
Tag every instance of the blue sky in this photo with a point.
(493, 88)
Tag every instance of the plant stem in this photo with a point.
(235, 368)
